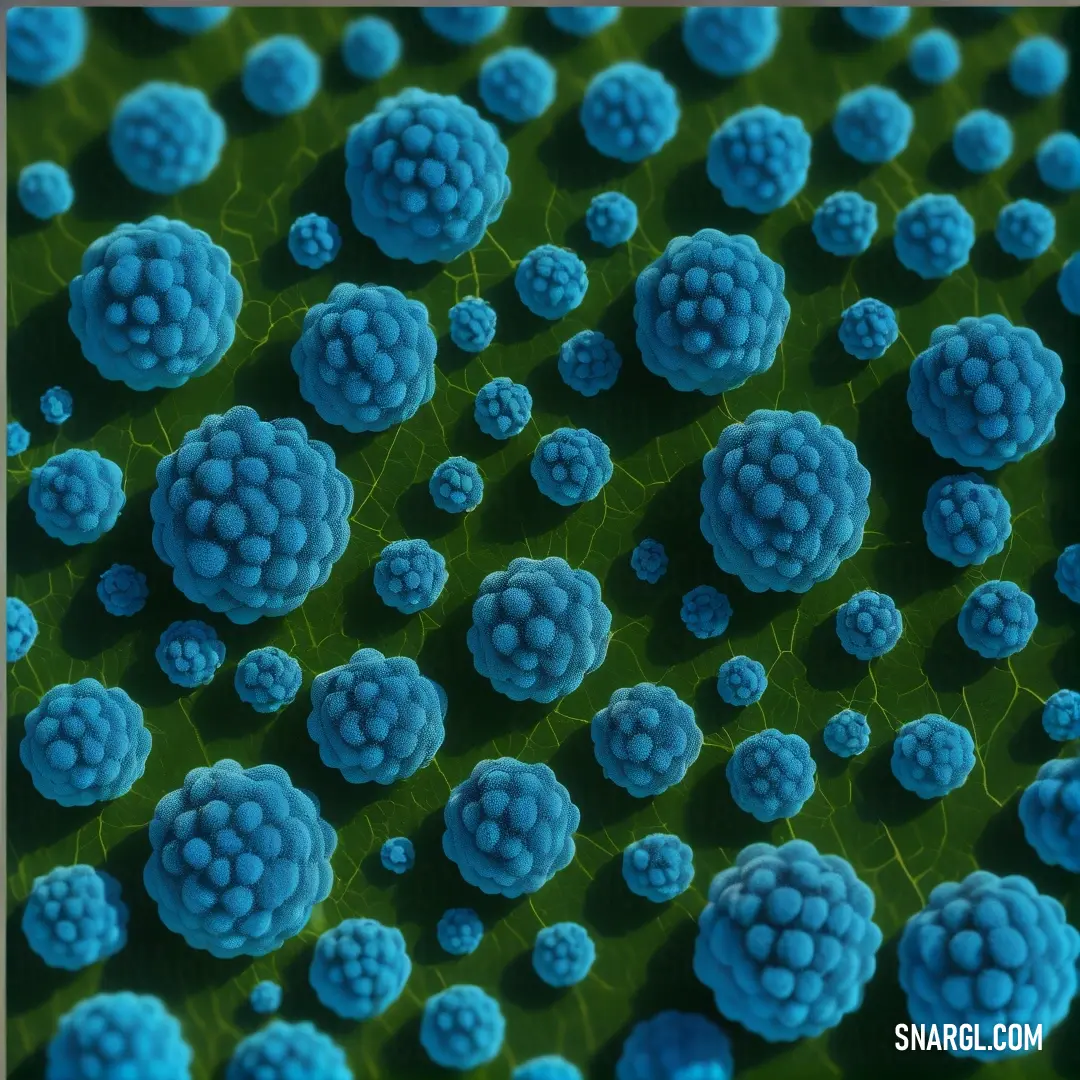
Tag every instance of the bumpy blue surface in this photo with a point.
(188, 20)
(77, 496)
(730, 41)
(398, 855)
(240, 857)
(876, 23)
(456, 485)
(74, 917)
(649, 561)
(868, 328)
(1025, 228)
(44, 43)
(510, 827)
(22, 629)
(869, 624)
(472, 324)
(629, 112)
(982, 141)
(1050, 813)
(997, 619)
(314, 241)
(658, 868)
(265, 998)
(517, 84)
(462, 1027)
(771, 774)
(932, 756)
(985, 392)
(571, 465)
(360, 968)
(934, 56)
(589, 362)
(967, 520)
(550, 1066)
(989, 950)
(645, 739)
(117, 1036)
(267, 679)
(1067, 573)
(710, 311)
(285, 1051)
(582, 21)
(873, 124)
(370, 47)
(1061, 716)
(551, 281)
(376, 718)
(759, 159)
(668, 1045)
(1057, 161)
(563, 953)
(847, 734)
(251, 515)
(56, 405)
(464, 25)
(612, 218)
(410, 575)
(1039, 66)
(845, 224)
(122, 590)
(784, 500)
(18, 438)
(45, 190)
(281, 75)
(426, 175)
(190, 652)
(1068, 284)
(459, 931)
(705, 612)
(503, 408)
(934, 236)
(741, 681)
(787, 941)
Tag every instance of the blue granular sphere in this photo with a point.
(370, 47)
(612, 218)
(472, 324)
(1025, 229)
(190, 653)
(397, 855)
(571, 466)
(1067, 573)
(1068, 284)
(847, 734)
(77, 496)
(18, 439)
(1039, 66)
(771, 774)
(868, 328)
(116, 1036)
(787, 941)
(122, 590)
(582, 21)
(741, 681)
(710, 311)
(188, 20)
(462, 1026)
(376, 718)
(410, 575)
(1057, 161)
(503, 408)
(45, 190)
(997, 619)
(84, 743)
(265, 998)
(550, 1066)
(314, 241)
(284, 1051)
(74, 917)
(934, 236)
(932, 756)
(649, 561)
(359, 968)
(44, 43)
(589, 362)
(645, 739)
(456, 485)
(1050, 813)
(658, 868)
(784, 500)
(426, 175)
(629, 112)
(267, 679)
(730, 41)
(1061, 716)
(873, 125)
(989, 950)
(459, 931)
(671, 1045)
(934, 57)
(706, 612)
(967, 520)
(876, 23)
(869, 624)
(510, 827)
(517, 84)
(551, 281)
(563, 954)
(281, 75)
(240, 857)
(985, 392)
(165, 137)
(982, 141)
(759, 159)
(56, 405)
(22, 629)
(539, 627)
(464, 25)
(155, 304)
(845, 224)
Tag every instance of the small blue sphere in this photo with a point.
(360, 968)
(582, 21)
(77, 496)
(982, 141)
(934, 236)
(673, 1046)
(1025, 229)
(456, 485)
(629, 112)
(730, 41)
(18, 439)
(868, 328)
(462, 1026)
(1061, 716)
(934, 57)
(410, 575)
(845, 224)
(612, 218)
(1068, 284)
(967, 520)
(1067, 573)
(190, 652)
(398, 855)
(932, 756)
(741, 681)
(459, 931)
(44, 43)
(847, 734)
(1050, 815)
(370, 47)
(771, 774)
(649, 561)
(122, 590)
(551, 281)
(503, 408)
(281, 75)
(571, 466)
(873, 125)
(267, 679)
(1039, 66)
(997, 619)
(706, 612)
(314, 241)
(1057, 161)
(876, 23)
(869, 625)
(464, 25)
(589, 363)
(56, 405)
(188, 20)
(563, 954)
(282, 1051)
(517, 84)
(265, 998)
(658, 868)
(550, 1066)
(472, 324)
(22, 629)
(45, 190)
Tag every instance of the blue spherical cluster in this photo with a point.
(503, 408)
(934, 236)
(550, 1066)
(1057, 161)
(122, 590)
(997, 619)
(1039, 66)
(876, 23)
(873, 125)
(376, 718)
(251, 515)
(1025, 229)
(868, 328)
(410, 575)
(370, 47)
(730, 41)
(845, 223)
(671, 1046)
(787, 941)
(934, 57)
(426, 175)
(397, 855)
(869, 625)
(281, 75)
(74, 917)
(240, 857)
(847, 734)
(517, 84)
(658, 868)
(190, 653)
(84, 743)
(982, 141)
(188, 20)
(741, 681)
(464, 25)
(985, 392)
(510, 827)
(1068, 284)
(612, 218)
(759, 159)
(359, 968)
(571, 465)
(77, 496)
(1067, 573)
(629, 112)
(784, 500)
(649, 561)
(563, 954)
(551, 281)
(459, 931)
(710, 311)
(45, 190)
(932, 756)
(22, 629)
(284, 1051)
(44, 43)
(582, 21)
(472, 324)
(589, 362)
(56, 405)
(267, 679)
(967, 520)
(771, 774)
(456, 485)
(705, 612)
(314, 241)
(1061, 716)
(1050, 812)
(265, 998)
(989, 950)
(462, 1026)
(18, 438)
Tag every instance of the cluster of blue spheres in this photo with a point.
(1057, 161)
(997, 619)
(122, 590)
(359, 968)
(370, 47)
(649, 561)
(464, 25)
(398, 855)
(869, 624)
(267, 679)
(1061, 716)
(847, 734)
(730, 41)
(77, 495)
(741, 681)
(934, 236)
(550, 1066)
(934, 56)
(705, 612)
(189, 652)
(459, 931)
(1025, 229)
(1068, 284)
(456, 485)
(314, 241)
(868, 329)
(517, 84)
(462, 1026)
(932, 756)
(563, 953)
(845, 224)
(281, 75)
(571, 465)
(282, 1050)
(1067, 573)
(876, 23)
(675, 1045)
(503, 408)
(1050, 813)
(612, 218)
(771, 775)
(982, 141)
(873, 124)
(1039, 66)
(589, 362)
(188, 20)
(629, 112)
(967, 520)
(658, 868)
(56, 405)
(18, 438)
(472, 324)
(410, 575)
(22, 629)
(45, 190)
(551, 281)
(265, 998)
(582, 21)
(44, 43)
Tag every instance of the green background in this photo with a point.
(272, 171)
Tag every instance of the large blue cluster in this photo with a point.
(18, 439)
(284, 1051)
(265, 998)
(589, 362)
(845, 224)
(426, 175)
(510, 827)
(932, 756)
(1061, 716)
(398, 855)
(472, 324)
(612, 218)
(240, 857)
(934, 236)
(1025, 229)
(649, 561)
(730, 41)
(741, 681)
(671, 1046)
(22, 629)
(459, 931)
(370, 47)
(869, 624)
(359, 968)
(771, 774)
(847, 734)
(787, 941)
(45, 190)
(1050, 813)
(550, 1066)
(563, 953)
(56, 405)
(1057, 161)
(189, 652)
(658, 868)
(710, 311)
(1067, 573)
(705, 612)
(77, 495)
(876, 23)
(967, 520)
(868, 328)
(456, 485)
(188, 20)
(314, 241)
(267, 679)
(571, 465)
(1068, 284)
(462, 1026)
(629, 112)
(1039, 66)
(517, 84)
(122, 590)
(582, 21)
(982, 141)
(997, 619)
(410, 575)
(464, 25)
(281, 75)
(873, 124)
(251, 515)
(934, 56)
(44, 43)
(503, 408)
(551, 281)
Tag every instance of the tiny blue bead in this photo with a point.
(281, 75)
(472, 324)
(370, 47)
(649, 561)
(589, 363)
(873, 125)
(517, 84)
(741, 681)
(612, 218)
(45, 190)
(265, 998)
(1057, 161)
(582, 21)
(982, 141)
(845, 223)
(876, 23)
(1039, 66)
(18, 439)
(398, 855)
(459, 931)
(56, 405)
(314, 241)
(705, 612)
(868, 328)
(934, 57)
(456, 485)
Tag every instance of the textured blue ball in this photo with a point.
(670, 1045)
(456, 485)
(360, 968)
(845, 223)
(398, 855)
(22, 629)
(705, 612)
(876, 23)
(612, 218)
(571, 466)
(462, 1026)
(982, 141)
(472, 324)
(56, 405)
(77, 496)
(18, 439)
(741, 681)
(84, 743)
(1067, 573)
(649, 561)
(934, 236)
(582, 21)
(122, 590)
(563, 953)
(1061, 716)
(967, 520)
(658, 868)
(517, 84)
(934, 57)
(459, 931)
(1025, 229)
(44, 43)
(503, 408)
(932, 756)
(1039, 66)
(1057, 161)
(868, 328)
(265, 998)
(869, 625)
(550, 1066)
(629, 112)
(281, 75)
(188, 20)
(426, 175)
(1050, 813)
(284, 1051)
(771, 774)
(45, 190)
(370, 47)
(787, 941)
(551, 281)
(997, 619)
(873, 125)
(730, 41)
(710, 311)
(267, 679)
(190, 653)
(589, 363)
(847, 734)
(314, 241)
(464, 25)
(410, 575)
(1068, 284)
(510, 827)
